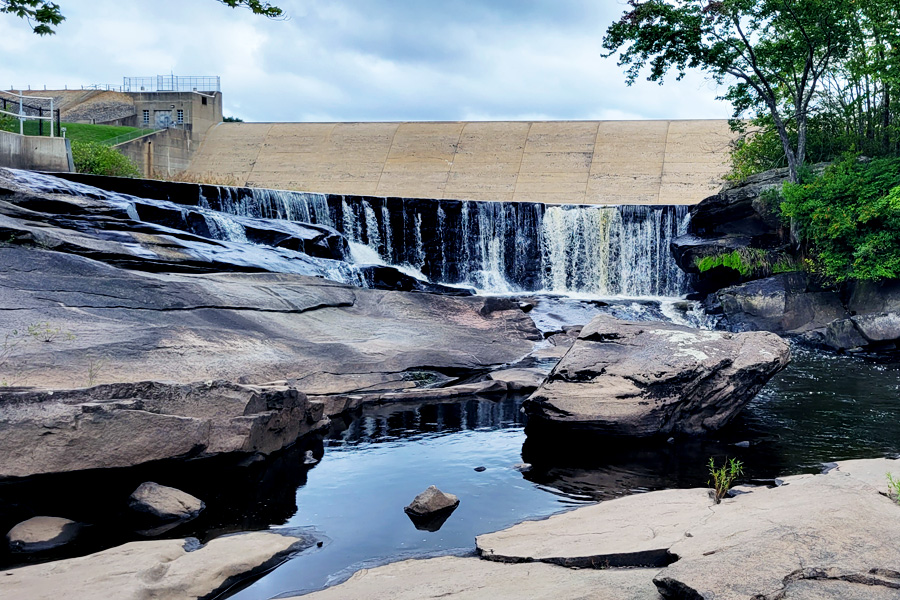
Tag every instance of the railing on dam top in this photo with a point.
(37, 109)
(172, 83)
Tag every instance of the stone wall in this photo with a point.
(35, 153)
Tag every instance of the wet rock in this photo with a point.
(431, 509)
(39, 534)
(164, 503)
(430, 501)
(309, 458)
(781, 304)
(161, 569)
(480, 469)
(643, 379)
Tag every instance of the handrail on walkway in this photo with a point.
(22, 116)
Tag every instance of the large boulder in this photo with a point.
(783, 304)
(652, 378)
(121, 425)
(38, 534)
(161, 569)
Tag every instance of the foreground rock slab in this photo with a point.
(474, 579)
(604, 535)
(815, 536)
(652, 378)
(161, 569)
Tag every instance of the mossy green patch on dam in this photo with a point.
(560, 162)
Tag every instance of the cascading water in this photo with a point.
(497, 247)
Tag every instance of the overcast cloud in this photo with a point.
(360, 60)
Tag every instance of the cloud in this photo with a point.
(361, 60)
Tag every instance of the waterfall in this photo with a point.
(496, 247)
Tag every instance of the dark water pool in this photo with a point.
(821, 408)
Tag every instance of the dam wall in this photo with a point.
(554, 162)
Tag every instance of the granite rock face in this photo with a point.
(782, 304)
(650, 378)
(328, 337)
(121, 425)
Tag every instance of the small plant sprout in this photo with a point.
(45, 332)
(724, 476)
(893, 488)
(94, 368)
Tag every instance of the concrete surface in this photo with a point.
(571, 162)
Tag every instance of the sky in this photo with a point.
(361, 60)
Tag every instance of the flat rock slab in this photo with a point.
(162, 569)
(472, 579)
(121, 325)
(642, 379)
(817, 528)
(605, 534)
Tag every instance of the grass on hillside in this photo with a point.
(81, 132)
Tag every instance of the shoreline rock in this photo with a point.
(161, 569)
(643, 379)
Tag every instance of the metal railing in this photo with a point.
(172, 83)
(33, 111)
(127, 137)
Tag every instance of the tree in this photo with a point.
(773, 54)
(43, 16)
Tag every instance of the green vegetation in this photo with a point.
(724, 476)
(893, 488)
(82, 132)
(848, 220)
(232, 120)
(44, 15)
(750, 261)
(97, 159)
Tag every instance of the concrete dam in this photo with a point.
(553, 162)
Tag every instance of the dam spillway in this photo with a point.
(495, 247)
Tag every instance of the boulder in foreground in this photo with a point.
(642, 379)
(159, 569)
(38, 534)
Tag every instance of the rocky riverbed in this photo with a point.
(145, 337)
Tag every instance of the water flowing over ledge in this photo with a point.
(496, 247)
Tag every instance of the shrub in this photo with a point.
(724, 476)
(750, 261)
(96, 159)
(848, 219)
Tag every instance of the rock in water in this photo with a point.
(164, 503)
(431, 501)
(38, 534)
(430, 509)
(651, 378)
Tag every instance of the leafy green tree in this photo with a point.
(773, 54)
(43, 16)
